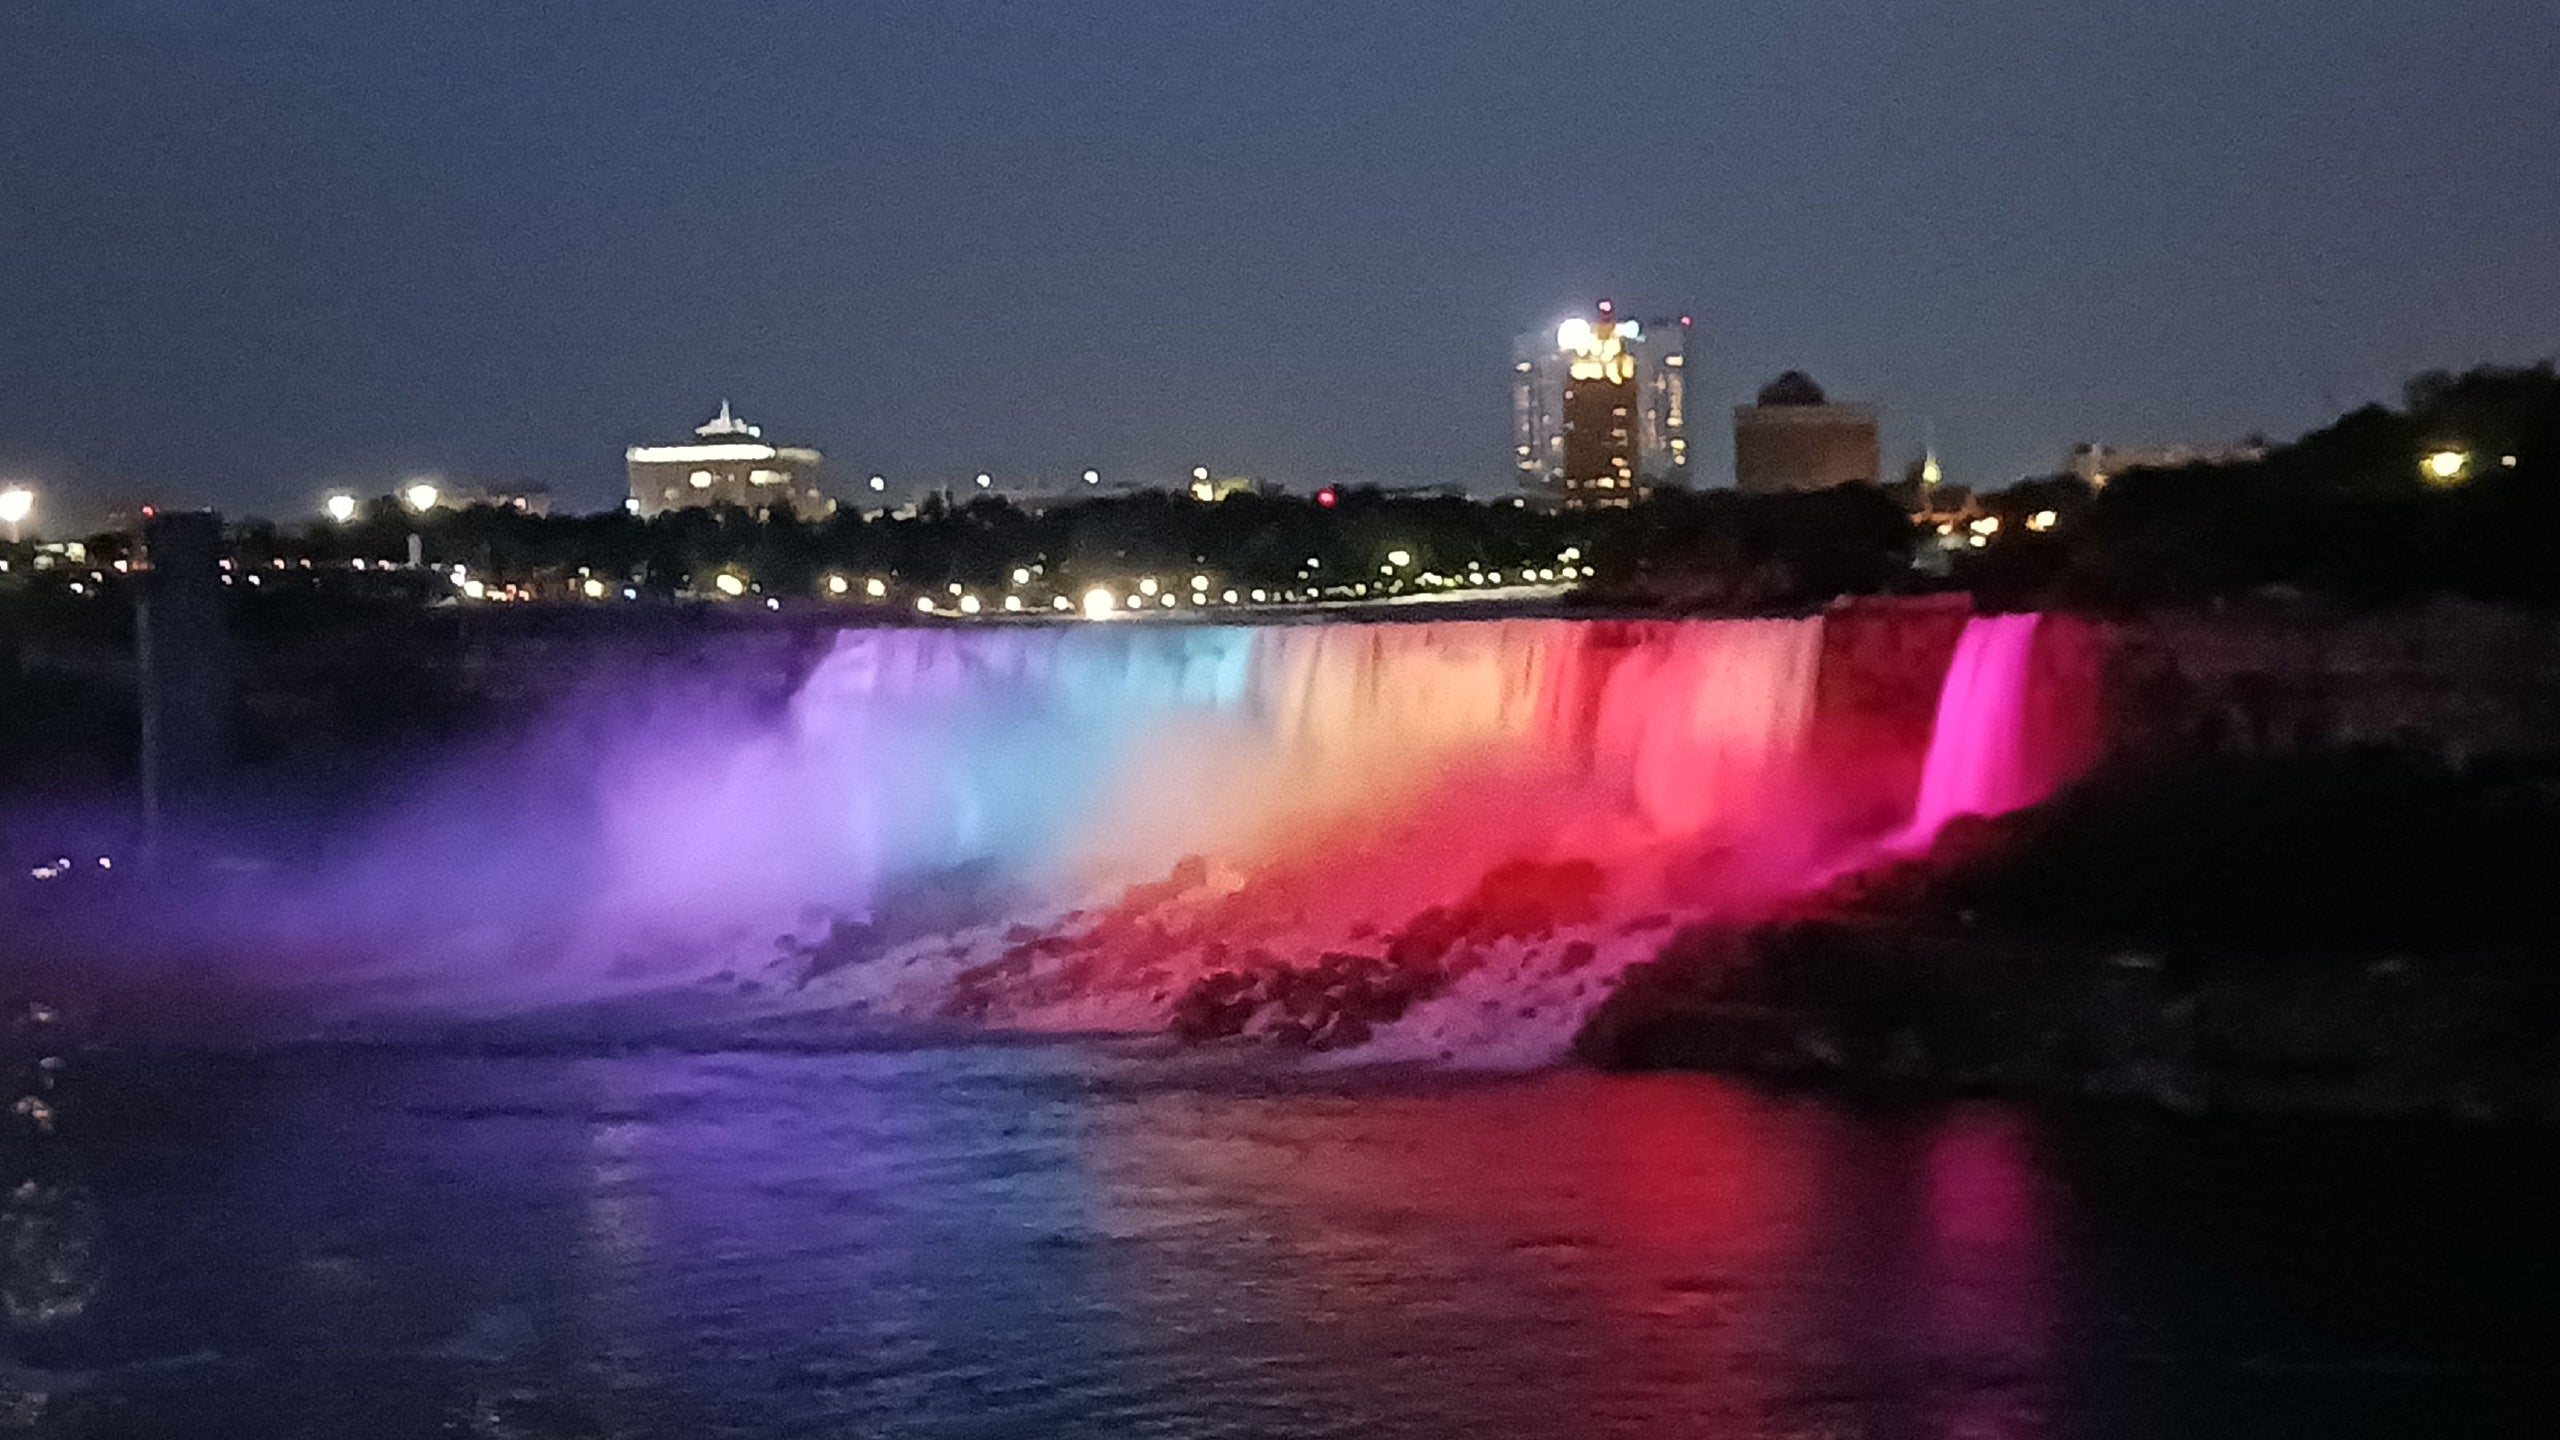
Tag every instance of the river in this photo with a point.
(1085, 1239)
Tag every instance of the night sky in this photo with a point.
(257, 249)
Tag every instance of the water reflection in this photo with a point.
(1060, 1241)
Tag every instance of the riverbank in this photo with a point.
(2356, 934)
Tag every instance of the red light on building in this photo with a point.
(1325, 497)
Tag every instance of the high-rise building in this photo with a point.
(1795, 438)
(1599, 408)
(730, 465)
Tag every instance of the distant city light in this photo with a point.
(729, 584)
(1326, 497)
(1399, 558)
(875, 587)
(422, 497)
(879, 482)
(2042, 520)
(1099, 603)
(1021, 575)
(924, 603)
(1147, 586)
(1199, 472)
(594, 589)
(1012, 602)
(838, 585)
(968, 604)
(16, 504)
(1093, 477)
(2445, 467)
(342, 508)
(985, 480)
(471, 589)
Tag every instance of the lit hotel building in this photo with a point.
(1599, 409)
(729, 465)
(1795, 438)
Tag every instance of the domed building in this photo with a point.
(730, 463)
(1795, 438)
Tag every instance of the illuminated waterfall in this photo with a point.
(911, 751)
(1338, 781)
(1978, 762)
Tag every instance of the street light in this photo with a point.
(422, 497)
(2446, 467)
(16, 504)
(342, 508)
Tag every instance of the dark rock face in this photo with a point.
(1341, 998)
(1948, 1010)
(1336, 1002)
(2364, 934)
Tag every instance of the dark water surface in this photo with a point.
(1069, 1240)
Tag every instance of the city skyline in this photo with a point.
(273, 251)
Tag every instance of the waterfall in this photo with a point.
(1977, 761)
(1086, 750)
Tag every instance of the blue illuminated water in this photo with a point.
(1066, 1240)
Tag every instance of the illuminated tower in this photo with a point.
(1599, 408)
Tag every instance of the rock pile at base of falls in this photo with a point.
(1342, 997)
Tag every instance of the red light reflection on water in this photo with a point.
(1680, 1248)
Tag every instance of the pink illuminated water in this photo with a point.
(1977, 761)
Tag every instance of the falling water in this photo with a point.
(1337, 781)
(1977, 761)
